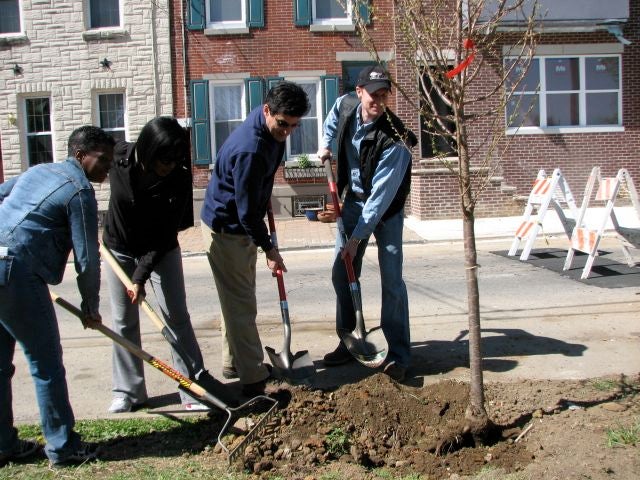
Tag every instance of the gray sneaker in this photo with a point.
(121, 405)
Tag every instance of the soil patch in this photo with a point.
(377, 423)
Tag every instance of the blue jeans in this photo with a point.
(27, 316)
(395, 304)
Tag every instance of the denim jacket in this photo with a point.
(44, 213)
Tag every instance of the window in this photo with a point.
(111, 109)
(330, 15)
(104, 13)
(304, 139)
(221, 17)
(432, 142)
(226, 111)
(350, 72)
(332, 12)
(9, 16)
(219, 105)
(39, 138)
(227, 12)
(565, 92)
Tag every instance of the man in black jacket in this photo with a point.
(374, 173)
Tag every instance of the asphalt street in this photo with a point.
(537, 323)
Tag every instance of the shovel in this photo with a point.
(164, 329)
(296, 368)
(369, 348)
(187, 385)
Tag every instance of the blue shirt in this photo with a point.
(242, 181)
(44, 213)
(387, 177)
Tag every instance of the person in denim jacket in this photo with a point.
(45, 213)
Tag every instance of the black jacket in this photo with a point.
(387, 130)
(146, 212)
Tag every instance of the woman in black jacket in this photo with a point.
(151, 201)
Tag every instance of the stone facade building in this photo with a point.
(74, 62)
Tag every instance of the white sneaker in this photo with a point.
(120, 405)
(196, 406)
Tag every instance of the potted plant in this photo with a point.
(302, 167)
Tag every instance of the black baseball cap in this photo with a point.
(373, 78)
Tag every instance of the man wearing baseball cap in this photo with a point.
(374, 174)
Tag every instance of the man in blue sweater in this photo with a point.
(233, 226)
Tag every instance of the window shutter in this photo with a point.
(302, 12)
(256, 13)
(273, 81)
(330, 88)
(363, 9)
(197, 15)
(254, 86)
(201, 132)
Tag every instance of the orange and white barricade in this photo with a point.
(547, 191)
(587, 240)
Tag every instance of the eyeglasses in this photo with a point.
(283, 124)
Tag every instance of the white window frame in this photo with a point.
(96, 103)
(20, 31)
(112, 27)
(292, 160)
(582, 92)
(239, 26)
(213, 84)
(27, 134)
(348, 20)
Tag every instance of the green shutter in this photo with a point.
(363, 9)
(330, 89)
(254, 87)
(302, 12)
(273, 81)
(201, 132)
(197, 15)
(256, 13)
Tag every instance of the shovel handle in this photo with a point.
(166, 332)
(185, 383)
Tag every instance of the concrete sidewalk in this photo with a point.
(299, 233)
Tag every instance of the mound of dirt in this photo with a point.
(379, 423)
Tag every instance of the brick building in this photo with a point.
(117, 63)
(584, 115)
(231, 61)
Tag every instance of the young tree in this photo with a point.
(469, 70)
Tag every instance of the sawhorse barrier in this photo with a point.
(547, 191)
(587, 240)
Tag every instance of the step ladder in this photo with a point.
(547, 191)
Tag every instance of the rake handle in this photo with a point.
(185, 383)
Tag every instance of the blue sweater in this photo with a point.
(241, 184)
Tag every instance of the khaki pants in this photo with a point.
(233, 263)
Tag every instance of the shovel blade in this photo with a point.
(370, 350)
(294, 369)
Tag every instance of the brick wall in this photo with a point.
(278, 46)
(435, 193)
